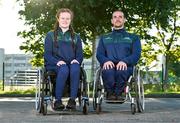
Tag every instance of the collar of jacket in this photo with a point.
(60, 30)
(118, 30)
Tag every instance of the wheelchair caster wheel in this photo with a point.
(133, 108)
(85, 108)
(44, 109)
(98, 108)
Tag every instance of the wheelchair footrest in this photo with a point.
(115, 101)
(85, 100)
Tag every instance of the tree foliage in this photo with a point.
(168, 34)
(92, 18)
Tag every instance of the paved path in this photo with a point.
(158, 110)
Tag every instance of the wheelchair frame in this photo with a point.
(134, 86)
(44, 91)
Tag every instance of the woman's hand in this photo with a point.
(74, 61)
(60, 63)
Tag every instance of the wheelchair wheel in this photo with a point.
(83, 94)
(45, 93)
(133, 108)
(139, 93)
(85, 108)
(38, 100)
(44, 109)
(97, 92)
(98, 108)
(84, 84)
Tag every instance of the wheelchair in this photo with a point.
(45, 91)
(133, 91)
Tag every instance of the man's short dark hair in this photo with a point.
(119, 10)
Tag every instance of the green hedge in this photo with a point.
(172, 87)
(148, 88)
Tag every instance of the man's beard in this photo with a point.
(118, 25)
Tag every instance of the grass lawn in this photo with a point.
(150, 89)
(18, 91)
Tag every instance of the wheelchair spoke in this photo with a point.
(140, 95)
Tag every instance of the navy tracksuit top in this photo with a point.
(119, 45)
(65, 50)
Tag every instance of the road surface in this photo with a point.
(157, 110)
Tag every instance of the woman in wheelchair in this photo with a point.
(63, 54)
(117, 53)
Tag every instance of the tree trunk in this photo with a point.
(93, 64)
(166, 72)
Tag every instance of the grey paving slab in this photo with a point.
(158, 110)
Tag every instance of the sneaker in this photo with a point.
(71, 104)
(58, 105)
(111, 96)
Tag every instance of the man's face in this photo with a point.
(118, 19)
(64, 19)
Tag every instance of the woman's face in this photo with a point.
(64, 20)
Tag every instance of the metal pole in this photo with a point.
(3, 77)
(162, 78)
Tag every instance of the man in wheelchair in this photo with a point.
(63, 54)
(117, 53)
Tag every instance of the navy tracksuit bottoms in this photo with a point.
(114, 80)
(63, 72)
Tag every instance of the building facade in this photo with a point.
(2, 56)
(12, 63)
(16, 62)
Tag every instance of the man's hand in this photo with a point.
(74, 61)
(121, 66)
(107, 65)
(60, 63)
